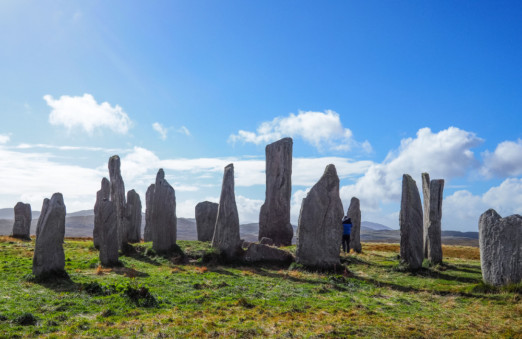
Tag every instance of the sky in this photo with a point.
(377, 88)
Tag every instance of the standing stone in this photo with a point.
(49, 258)
(206, 215)
(108, 234)
(411, 224)
(133, 214)
(149, 200)
(226, 232)
(118, 197)
(274, 217)
(103, 194)
(434, 239)
(426, 214)
(354, 213)
(319, 230)
(22, 221)
(163, 215)
(500, 241)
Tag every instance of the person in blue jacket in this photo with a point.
(347, 229)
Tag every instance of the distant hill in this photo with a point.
(374, 226)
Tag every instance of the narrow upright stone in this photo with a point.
(500, 241)
(108, 234)
(319, 230)
(274, 217)
(118, 197)
(103, 194)
(149, 200)
(226, 232)
(206, 215)
(411, 224)
(49, 258)
(163, 215)
(354, 212)
(22, 221)
(434, 241)
(133, 214)
(426, 214)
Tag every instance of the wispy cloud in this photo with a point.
(161, 130)
(4, 138)
(72, 148)
(184, 130)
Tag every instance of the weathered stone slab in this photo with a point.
(266, 241)
(274, 217)
(49, 257)
(22, 221)
(226, 233)
(149, 200)
(108, 234)
(118, 197)
(260, 253)
(434, 239)
(133, 215)
(411, 224)
(500, 241)
(206, 215)
(163, 215)
(354, 213)
(319, 230)
(426, 214)
(103, 194)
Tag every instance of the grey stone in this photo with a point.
(256, 253)
(411, 224)
(108, 234)
(22, 221)
(118, 197)
(500, 241)
(149, 200)
(103, 194)
(163, 215)
(226, 233)
(133, 214)
(266, 241)
(434, 240)
(319, 230)
(274, 217)
(354, 213)
(49, 257)
(206, 215)
(426, 214)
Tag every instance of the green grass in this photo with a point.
(196, 295)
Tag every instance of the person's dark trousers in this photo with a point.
(346, 243)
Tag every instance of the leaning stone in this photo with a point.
(133, 215)
(274, 217)
(434, 240)
(22, 221)
(149, 199)
(354, 212)
(103, 194)
(226, 233)
(49, 258)
(266, 241)
(411, 224)
(256, 253)
(426, 214)
(163, 215)
(500, 241)
(118, 197)
(108, 234)
(319, 230)
(206, 214)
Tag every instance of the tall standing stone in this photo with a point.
(22, 221)
(206, 215)
(274, 217)
(149, 200)
(118, 197)
(434, 239)
(103, 194)
(226, 232)
(411, 224)
(500, 241)
(426, 214)
(354, 213)
(163, 215)
(108, 233)
(49, 257)
(133, 214)
(319, 230)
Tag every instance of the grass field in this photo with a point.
(154, 296)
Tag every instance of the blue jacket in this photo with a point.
(347, 229)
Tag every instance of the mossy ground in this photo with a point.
(194, 296)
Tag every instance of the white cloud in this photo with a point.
(4, 138)
(85, 113)
(248, 209)
(322, 130)
(161, 130)
(184, 130)
(506, 160)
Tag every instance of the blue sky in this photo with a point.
(379, 88)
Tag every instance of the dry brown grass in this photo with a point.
(462, 252)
